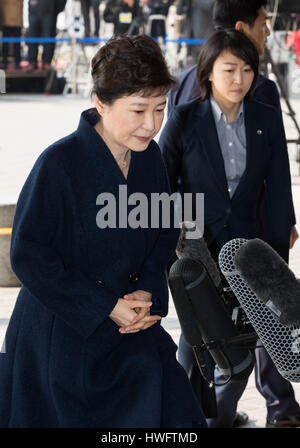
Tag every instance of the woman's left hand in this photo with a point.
(294, 236)
(143, 319)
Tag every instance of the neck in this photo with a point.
(121, 154)
(230, 110)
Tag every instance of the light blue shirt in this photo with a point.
(232, 138)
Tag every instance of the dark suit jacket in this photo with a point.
(194, 161)
(66, 364)
(187, 89)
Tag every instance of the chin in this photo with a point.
(237, 98)
(140, 147)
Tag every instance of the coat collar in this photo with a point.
(207, 132)
(95, 164)
(255, 142)
(97, 160)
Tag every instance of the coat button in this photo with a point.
(134, 277)
(228, 210)
(101, 282)
(225, 225)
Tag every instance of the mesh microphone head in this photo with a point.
(281, 342)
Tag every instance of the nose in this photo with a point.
(238, 76)
(149, 122)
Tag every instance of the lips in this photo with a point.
(142, 139)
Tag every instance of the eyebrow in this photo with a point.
(233, 63)
(145, 104)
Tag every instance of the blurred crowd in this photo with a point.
(39, 18)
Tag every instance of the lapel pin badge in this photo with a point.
(259, 131)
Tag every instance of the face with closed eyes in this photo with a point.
(231, 79)
(130, 122)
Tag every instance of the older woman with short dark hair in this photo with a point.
(84, 347)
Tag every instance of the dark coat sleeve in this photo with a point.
(37, 258)
(278, 192)
(170, 143)
(266, 92)
(153, 275)
(185, 89)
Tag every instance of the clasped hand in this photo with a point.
(132, 312)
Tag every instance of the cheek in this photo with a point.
(221, 81)
(250, 80)
(259, 36)
(158, 122)
(130, 123)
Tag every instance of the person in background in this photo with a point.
(42, 23)
(124, 14)
(85, 8)
(12, 24)
(198, 22)
(158, 7)
(249, 18)
(282, 408)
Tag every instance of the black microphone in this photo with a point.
(204, 318)
(196, 248)
(271, 279)
(281, 342)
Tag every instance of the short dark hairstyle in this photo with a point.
(227, 12)
(224, 40)
(127, 65)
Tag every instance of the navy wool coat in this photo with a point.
(65, 364)
(194, 161)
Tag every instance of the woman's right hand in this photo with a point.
(123, 313)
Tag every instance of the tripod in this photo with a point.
(291, 113)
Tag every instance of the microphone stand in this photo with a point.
(238, 341)
(198, 354)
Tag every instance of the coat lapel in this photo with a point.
(97, 163)
(207, 132)
(254, 143)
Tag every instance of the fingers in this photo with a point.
(124, 311)
(138, 295)
(138, 303)
(142, 324)
(140, 314)
(293, 236)
(141, 311)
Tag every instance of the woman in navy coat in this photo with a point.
(84, 346)
(231, 148)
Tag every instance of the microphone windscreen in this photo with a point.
(281, 342)
(271, 279)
